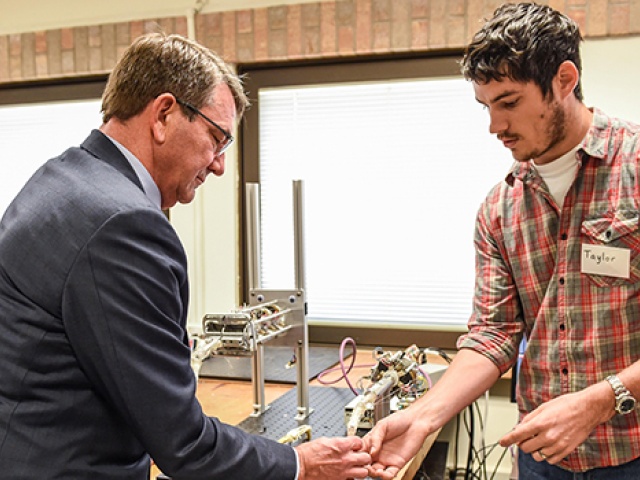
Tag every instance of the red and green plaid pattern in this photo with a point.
(580, 327)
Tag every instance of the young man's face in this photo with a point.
(531, 126)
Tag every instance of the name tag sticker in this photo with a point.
(609, 261)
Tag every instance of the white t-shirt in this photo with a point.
(559, 174)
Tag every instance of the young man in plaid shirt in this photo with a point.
(557, 261)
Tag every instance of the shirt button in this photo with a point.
(565, 371)
(608, 234)
(562, 327)
(561, 280)
(563, 236)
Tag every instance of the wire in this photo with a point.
(454, 473)
(477, 468)
(471, 440)
(440, 352)
(345, 370)
(426, 375)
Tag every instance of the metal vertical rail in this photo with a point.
(253, 281)
(252, 198)
(298, 233)
(303, 344)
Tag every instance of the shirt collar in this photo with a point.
(599, 142)
(150, 188)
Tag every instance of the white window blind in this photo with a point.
(394, 173)
(31, 134)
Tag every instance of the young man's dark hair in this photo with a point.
(523, 42)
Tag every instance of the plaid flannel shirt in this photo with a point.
(580, 327)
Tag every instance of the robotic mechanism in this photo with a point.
(396, 381)
(277, 317)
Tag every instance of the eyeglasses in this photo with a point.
(228, 138)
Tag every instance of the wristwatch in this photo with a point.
(625, 401)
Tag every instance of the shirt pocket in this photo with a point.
(620, 231)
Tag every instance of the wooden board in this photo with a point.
(410, 469)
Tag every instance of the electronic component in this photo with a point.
(396, 381)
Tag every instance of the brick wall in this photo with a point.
(291, 32)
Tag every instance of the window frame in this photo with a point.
(436, 64)
(59, 90)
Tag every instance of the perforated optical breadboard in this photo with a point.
(326, 420)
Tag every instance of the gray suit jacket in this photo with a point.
(94, 359)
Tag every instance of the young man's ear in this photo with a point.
(566, 79)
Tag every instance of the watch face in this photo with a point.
(627, 405)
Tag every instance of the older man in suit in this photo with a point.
(93, 293)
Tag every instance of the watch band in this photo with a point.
(625, 401)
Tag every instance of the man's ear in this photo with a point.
(566, 78)
(161, 109)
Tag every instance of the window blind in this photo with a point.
(31, 134)
(394, 173)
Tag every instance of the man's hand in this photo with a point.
(338, 458)
(556, 428)
(393, 442)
